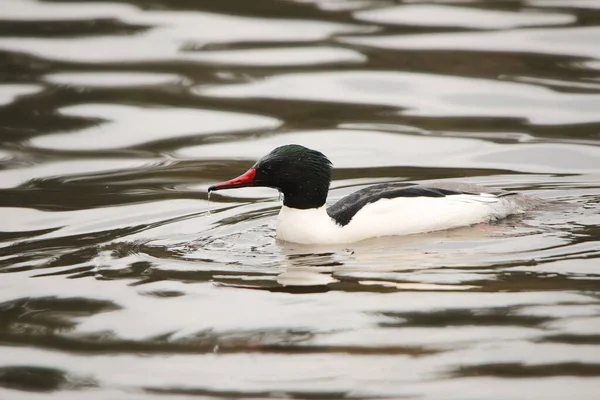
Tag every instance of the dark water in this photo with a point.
(118, 283)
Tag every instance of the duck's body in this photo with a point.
(400, 215)
(303, 176)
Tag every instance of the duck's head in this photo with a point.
(301, 174)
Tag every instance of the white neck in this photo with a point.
(307, 226)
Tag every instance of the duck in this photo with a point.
(303, 176)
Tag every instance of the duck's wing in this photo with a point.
(346, 208)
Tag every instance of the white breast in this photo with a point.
(397, 216)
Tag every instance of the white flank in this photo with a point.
(397, 216)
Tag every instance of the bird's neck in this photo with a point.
(305, 196)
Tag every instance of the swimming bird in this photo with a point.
(303, 176)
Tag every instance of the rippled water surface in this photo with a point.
(121, 280)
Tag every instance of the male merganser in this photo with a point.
(303, 175)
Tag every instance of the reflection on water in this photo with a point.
(119, 279)
(434, 15)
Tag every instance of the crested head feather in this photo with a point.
(301, 174)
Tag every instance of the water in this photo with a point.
(120, 280)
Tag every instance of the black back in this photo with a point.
(346, 208)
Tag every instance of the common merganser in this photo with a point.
(303, 176)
